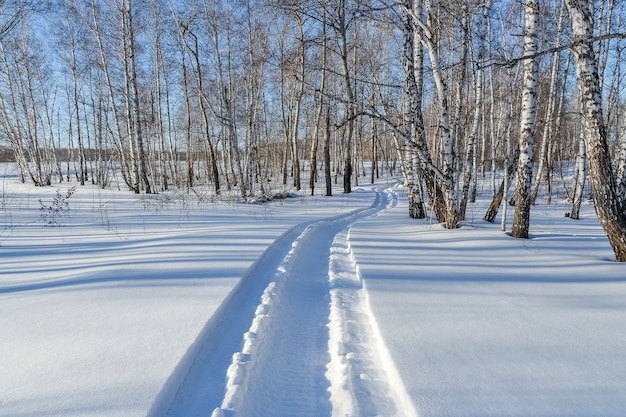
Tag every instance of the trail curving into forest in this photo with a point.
(295, 338)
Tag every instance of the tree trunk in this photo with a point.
(298, 106)
(579, 180)
(416, 36)
(350, 102)
(470, 154)
(413, 135)
(492, 211)
(521, 219)
(189, 171)
(327, 170)
(204, 112)
(447, 182)
(319, 105)
(550, 112)
(140, 166)
(609, 207)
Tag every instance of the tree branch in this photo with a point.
(512, 62)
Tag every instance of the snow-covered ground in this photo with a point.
(179, 305)
(480, 324)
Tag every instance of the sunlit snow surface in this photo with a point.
(127, 308)
(481, 324)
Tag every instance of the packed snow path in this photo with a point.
(295, 338)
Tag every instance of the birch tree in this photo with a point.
(219, 21)
(190, 41)
(256, 58)
(91, 16)
(342, 27)
(610, 208)
(551, 110)
(426, 35)
(23, 101)
(139, 159)
(521, 219)
(160, 90)
(414, 134)
(319, 99)
(470, 154)
(69, 38)
(578, 182)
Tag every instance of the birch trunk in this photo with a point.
(414, 135)
(579, 180)
(609, 207)
(469, 171)
(622, 168)
(189, 171)
(546, 137)
(72, 62)
(446, 181)
(295, 131)
(521, 218)
(158, 67)
(319, 105)
(132, 96)
(229, 103)
(327, 169)
(350, 102)
(94, 25)
(212, 159)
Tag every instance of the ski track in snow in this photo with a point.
(310, 345)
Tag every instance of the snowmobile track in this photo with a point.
(308, 347)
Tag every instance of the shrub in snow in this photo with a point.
(59, 207)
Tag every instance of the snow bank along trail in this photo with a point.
(295, 338)
(364, 380)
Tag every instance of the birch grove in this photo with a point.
(251, 98)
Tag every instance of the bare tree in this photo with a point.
(424, 32)
(551, 111)
(320, 99)
(139, 159)
(71, 37)
(190, 41)
(521, 219)
(470, 153)
(24, 103)
(610, 208)
(341, 21)
(414, 137)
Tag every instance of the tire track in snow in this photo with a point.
(363, 377)
(310, 346)
(280, 370)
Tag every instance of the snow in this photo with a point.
(485, 325)
(176, 305)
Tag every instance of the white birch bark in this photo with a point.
(469, 166)
(229, 103)
(546, 136)
(295, 130)
(131, 96)
(579, 179)
(204, 112)
(158, 68)
(446, 142)
(321, 90)
(413, 132)
(342, 27)
(621, 173)
(610, 209)
(94, 25)
(521, 218)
